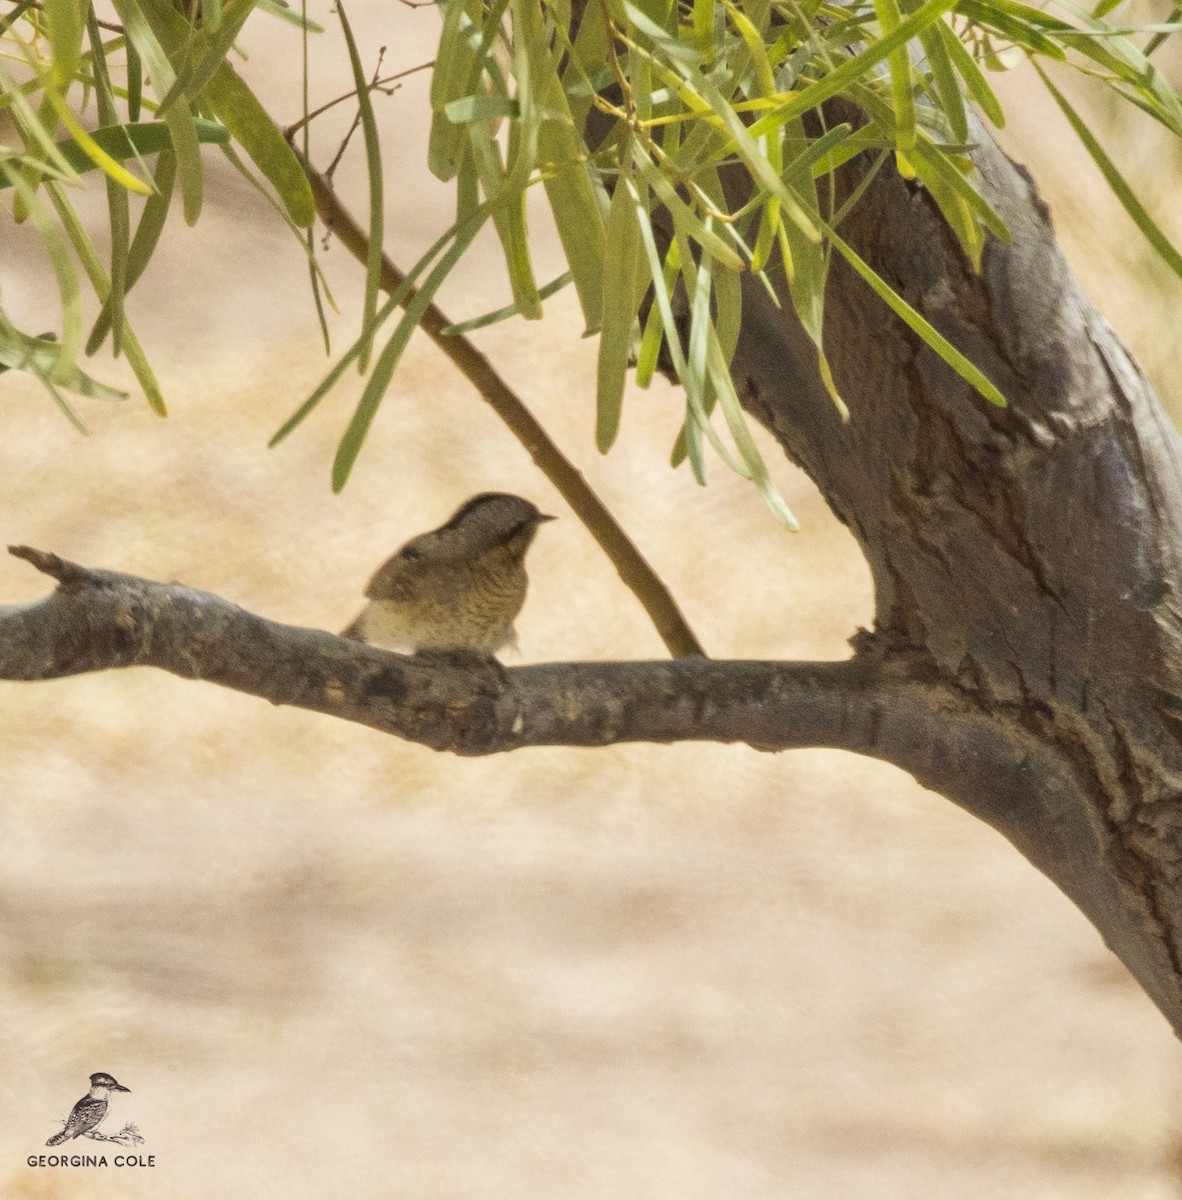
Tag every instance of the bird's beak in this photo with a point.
(118, 1087)
(545, 517)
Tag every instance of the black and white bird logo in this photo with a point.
(89, 1112)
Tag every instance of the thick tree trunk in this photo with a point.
(1025, 560)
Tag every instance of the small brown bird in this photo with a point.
(459, 587)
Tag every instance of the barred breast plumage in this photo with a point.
(460, 586)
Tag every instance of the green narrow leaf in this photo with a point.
(926, 331)
(753, 40)
(579, 222)
(728, 302)
(510, 310)
(42, 357)
(467, 185)
(621, 275)
(698, 286)
(39, 356)
(63, 404)
(508, 200)
(808, 164)
(211, 46)
(277, 8)
(178, 116)
(480, 108)
(586, 56)
(1015, 27)
(699, 419)
(703, 29)
(708, 377)
(468, 227)
(864, 183)
(151, 219)
(93, 151)
(383, 370)
(135, 80)
(125, 141)
(649, 354)
(96, 273)
(253, 128)
(899, 65)
(937, 165)
(65, 23)
(463, 63)
(30, 124)
(315, 278)
(509, 220)
(69, 291)
(504, 187)
(454, 76)
(147, 235)
(806, 286)
(1116, 181)
(944, 78)
(854, 68)
(118, 209)
(373, 166)
(974, 78)
(686, 219)
(569, 187)
(10, 18)
(736, 420)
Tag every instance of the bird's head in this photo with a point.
(100, 1079)
(490, 520)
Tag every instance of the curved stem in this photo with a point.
(631, 565)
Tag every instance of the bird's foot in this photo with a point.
(456, 657)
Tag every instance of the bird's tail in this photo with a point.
(354, 631)
(58, 1138)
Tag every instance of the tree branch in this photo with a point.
(97, 620)
(885, 702)
(880, 703)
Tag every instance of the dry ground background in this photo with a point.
(332, 965)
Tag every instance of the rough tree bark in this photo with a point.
(1027, 656)
(1025, 560)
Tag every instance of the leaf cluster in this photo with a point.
(135, 101)
(680, 145)
(684, 143)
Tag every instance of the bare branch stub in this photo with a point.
(68, 574)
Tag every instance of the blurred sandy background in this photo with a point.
(332, 965)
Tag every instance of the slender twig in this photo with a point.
(378, 85)
(110, 26)
(633, 569)
(332, 166)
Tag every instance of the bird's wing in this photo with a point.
(395, 579)
(417, 566)
(88, 1112)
